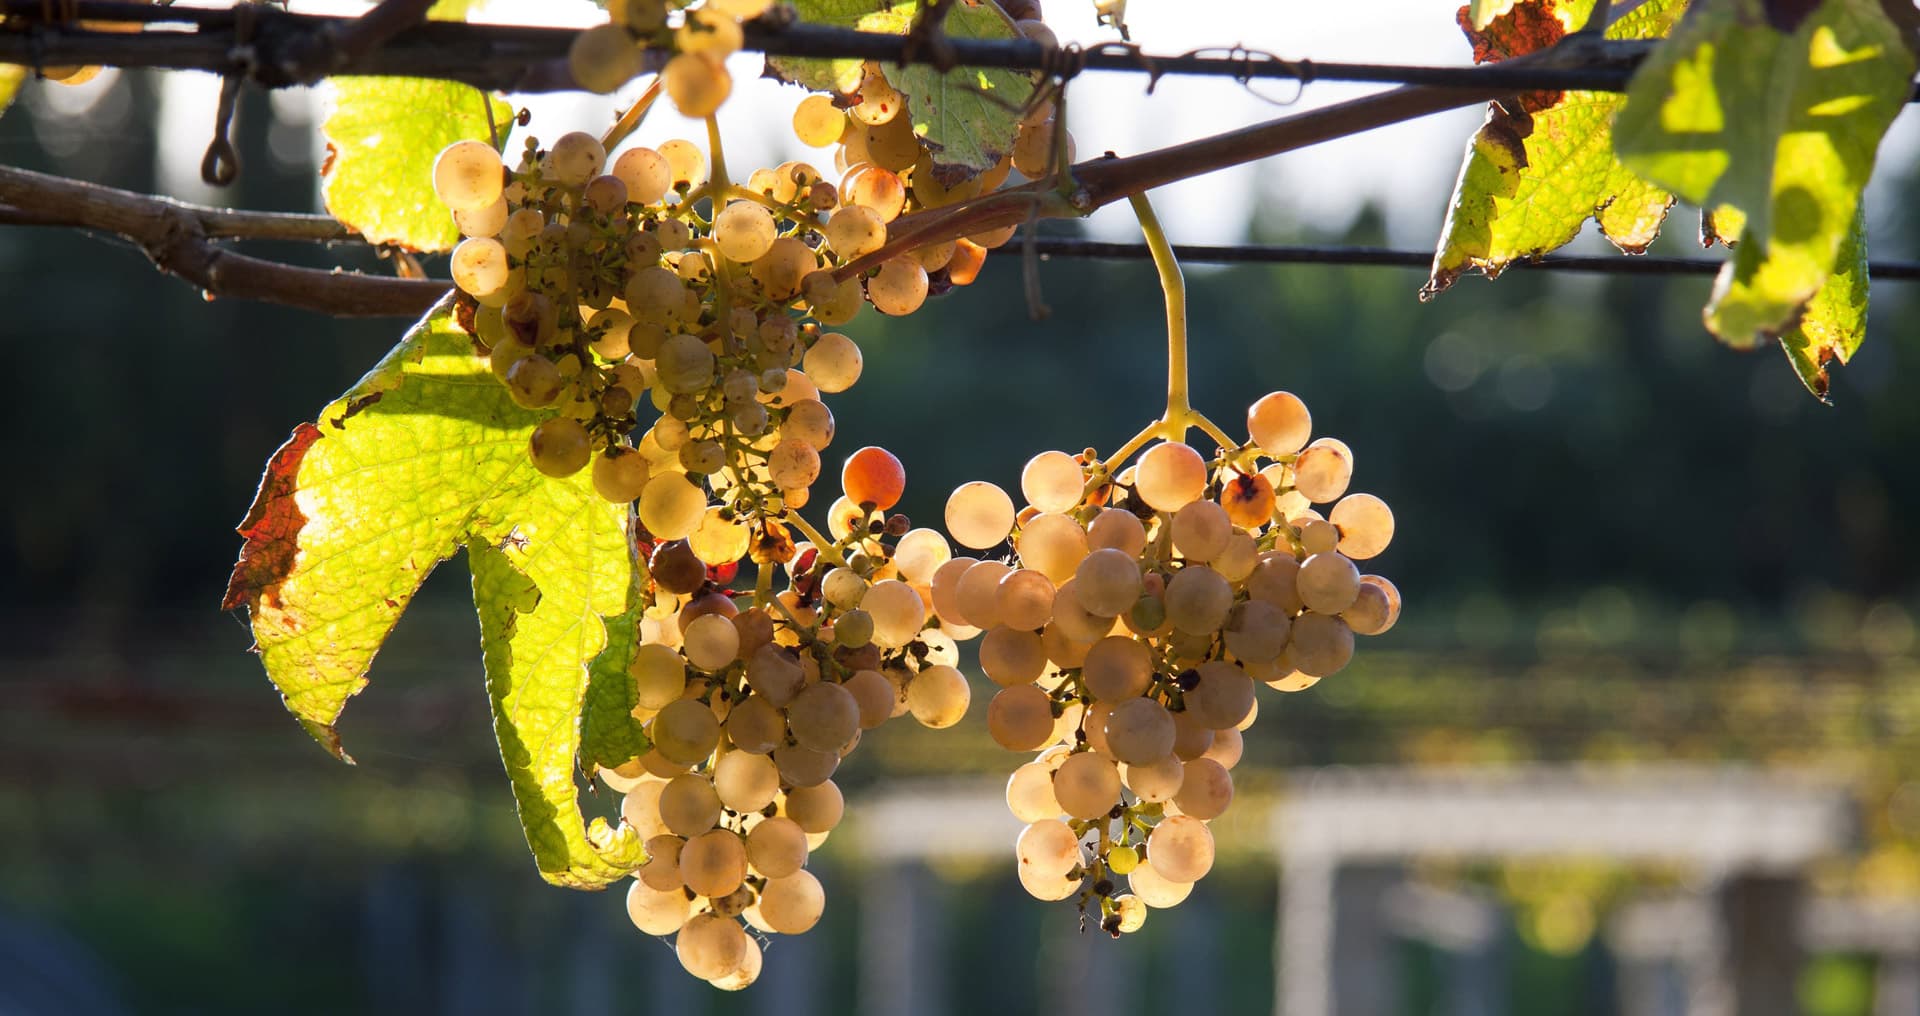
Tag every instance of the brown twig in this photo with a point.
(1104, 181)
(928, 35)
(178, 238)
(216, 223)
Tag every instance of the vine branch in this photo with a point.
(1382, 257)
(289, 49)
(334, 46)
(179, 239)
(177, 236)
(1104, 181)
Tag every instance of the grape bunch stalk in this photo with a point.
(1141, 604)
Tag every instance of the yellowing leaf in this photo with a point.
(541, 623)
(1543, 164)
(609, 735)
(424, 455)
(1780, 126)
(1482, 12)
(968, 115)
(1836, 318)
(11, 76)
(382, 138)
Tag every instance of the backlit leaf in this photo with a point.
(968, 115)
(382, 137)
(1782, 127)
(1542, 164)
(1836, 318)
(427, 454)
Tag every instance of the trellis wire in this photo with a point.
(1616, 264)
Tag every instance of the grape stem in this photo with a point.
(719, 186)
(763, 585)
(630, 120)
(825, 546)
(1180, 416)
(1174, 285)
(788, 613)
(717, 182)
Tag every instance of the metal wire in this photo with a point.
(1620, 264)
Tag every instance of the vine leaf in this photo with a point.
(1836, 318)
(968, 116)
(11, 78)
(382, 135)
(1543, 164)
(540, 596)
(425, 454)
(1482, 12)
(1780, 126)
(609, 735)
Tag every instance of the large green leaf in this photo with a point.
(968, 116)
(382, 137)
(1836, 318)
(1783, 127)
(1542, 165)
(425, 454)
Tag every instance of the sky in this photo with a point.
(1407, 168)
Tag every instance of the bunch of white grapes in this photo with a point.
(601, 286)
(888, 170)
(695, 77)
(1127, 634)
(750, 711)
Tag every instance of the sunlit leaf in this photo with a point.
(968, 116)
(609, 735)
(1482, 12)
(11, 77)
(1782, 127)
(424, 455)
(1836, 318)
(382, 137)
(1542, 164)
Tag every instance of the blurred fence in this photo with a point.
(124, 779)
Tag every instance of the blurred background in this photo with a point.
(1646, 740)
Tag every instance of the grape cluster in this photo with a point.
(751, 710)
(1129, 630)
(673, 330)
(888, 171)
(607, 56)
(596, 289)
(605, 297)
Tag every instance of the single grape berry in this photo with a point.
(559, 447)
(873, 476)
